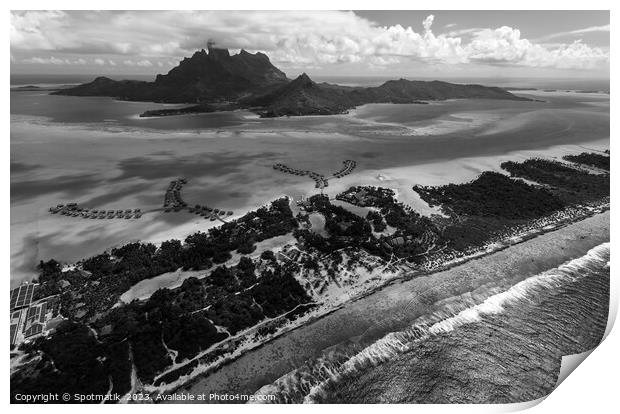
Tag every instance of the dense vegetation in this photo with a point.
(72, 361)
(492, 195)
(493, 202)
(377, 221)
(568, 184)
(414, 235)
(182, 321)
(344, 228)
(591, 159)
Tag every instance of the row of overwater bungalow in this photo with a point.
(73, 210)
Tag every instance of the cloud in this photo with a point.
(428, 22)
(46, 61)
(592, 29)
(144, 63)
(51, 60)
(504, 45)
(292, 39)
(463, 32)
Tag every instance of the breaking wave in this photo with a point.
(308, 383)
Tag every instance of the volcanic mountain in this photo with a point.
(302, 96)
(205, 77)
(218, 81)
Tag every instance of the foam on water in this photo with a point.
(310, 381)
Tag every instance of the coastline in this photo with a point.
(251, 343)
(567, 307)
(396, 295)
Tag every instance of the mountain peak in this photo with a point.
(217, 53)
(102, 79)
(303, 80)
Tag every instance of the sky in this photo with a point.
(560, 44)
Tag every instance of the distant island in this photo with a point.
(214, 80)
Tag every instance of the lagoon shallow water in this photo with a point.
(96, 151)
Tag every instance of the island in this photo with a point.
(214, 80)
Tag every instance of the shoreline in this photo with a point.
(200, 371)
(577, 239)
(469, 320)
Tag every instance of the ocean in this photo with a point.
(505, 349)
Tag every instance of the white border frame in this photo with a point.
(592, 387)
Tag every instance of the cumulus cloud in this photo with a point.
(428, 22)
(290, 38)
(505, 46)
